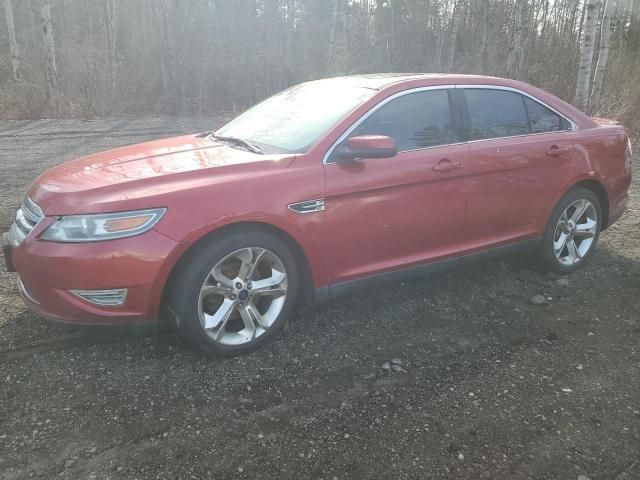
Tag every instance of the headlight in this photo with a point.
(102, 226)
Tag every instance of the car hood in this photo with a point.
(101, 181)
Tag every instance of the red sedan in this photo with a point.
(327, 186)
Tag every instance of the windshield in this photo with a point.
(293, 120)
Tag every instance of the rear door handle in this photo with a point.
(556, 151)
(446, 165)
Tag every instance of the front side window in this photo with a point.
(496, 114)
(542, 119)
(415, 121)
(293, 120)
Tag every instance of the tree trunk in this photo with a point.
(332, 30)
(582, 18)
(603, 54)
(50, 54)
(515, 50)
(485, 39)
(159, 13)
(13, 44)
(458, 10)
(634, 21)
(112, 19)
(586, 54)
(545, 16)
(167, 58)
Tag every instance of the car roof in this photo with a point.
(378, 81)
(396, 82)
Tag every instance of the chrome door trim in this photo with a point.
(470, 142)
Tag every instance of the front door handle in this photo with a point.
(556, 151)
(446, 165)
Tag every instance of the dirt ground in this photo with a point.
(496, 387)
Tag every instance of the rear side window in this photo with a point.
(416, 120)
(496, 114)
(542, 119)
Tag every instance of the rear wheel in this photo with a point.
(235, 293)
(572, 231)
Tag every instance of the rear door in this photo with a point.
(386, 214)
(521, 154)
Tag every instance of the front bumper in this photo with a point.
(49, 273)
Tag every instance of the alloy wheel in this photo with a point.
(575, 232)
(242, 296)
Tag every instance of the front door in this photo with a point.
(386, 214)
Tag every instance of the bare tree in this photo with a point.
(200, 56)
(332, 29)
(112, 28)
(458, 12)
(485, 35)
(50, 53)
(516, 47)
(603, 54)
(165, 75)
(586, 54)
(13, 44)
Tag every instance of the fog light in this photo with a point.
(104, 298)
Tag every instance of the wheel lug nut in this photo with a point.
(232, 297)
(249, 286)
(238, 285)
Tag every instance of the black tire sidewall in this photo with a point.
(183, 298)
(546, 254)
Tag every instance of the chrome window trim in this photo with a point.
(518, 136)
(366, 115)
(535, 99)
(429, 148)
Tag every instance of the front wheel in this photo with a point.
(572, 231)
(233, 294)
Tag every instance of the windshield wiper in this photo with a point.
(238, 141)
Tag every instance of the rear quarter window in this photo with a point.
(542, 119)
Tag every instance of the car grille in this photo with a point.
(27, 217)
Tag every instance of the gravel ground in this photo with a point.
(493, 386)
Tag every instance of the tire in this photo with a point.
(581, 231)
(215, 317)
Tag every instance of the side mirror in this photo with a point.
(368, 146)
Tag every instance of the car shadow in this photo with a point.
(507, 282)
